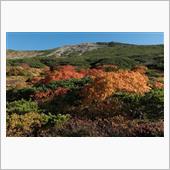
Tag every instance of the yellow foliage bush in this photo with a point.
(24, 125)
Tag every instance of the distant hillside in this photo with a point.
(92, 54)
(21, 54)
(61, 51)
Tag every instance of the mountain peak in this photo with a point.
(78, 48)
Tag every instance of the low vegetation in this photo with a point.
(113, 91)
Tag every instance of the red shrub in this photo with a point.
(47, 95)
(63, 73)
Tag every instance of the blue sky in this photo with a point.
(47, 40)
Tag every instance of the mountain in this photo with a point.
(76, 49)
(90, 54)
(61, 51)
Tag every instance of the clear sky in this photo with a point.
(47, 40)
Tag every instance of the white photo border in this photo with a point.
(84, 153)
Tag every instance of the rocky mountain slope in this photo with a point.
(61, 51)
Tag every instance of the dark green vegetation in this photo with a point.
(149, 106)
(45, 100)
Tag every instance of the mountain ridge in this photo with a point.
(66, 49)
(90, 54)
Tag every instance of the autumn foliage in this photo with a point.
(107, 83)
(98, 101)
(63, 73)
(104, 83)
(50, 93)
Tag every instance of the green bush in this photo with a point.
(150, 105)
(152, 73)
(22, 106)
(70, 83)
(49, 61)
(32, 62)
(37, 64)
(154, 103)
(58, 119)
(131, 104)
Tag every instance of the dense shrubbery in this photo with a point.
(149, 106)
(108, 127)
(22, 106)
(154, 103)
(33, 123)
(109, 94)
(25, 125)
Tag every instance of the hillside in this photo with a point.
(61, 51)
(22, 54)
(91, 54)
